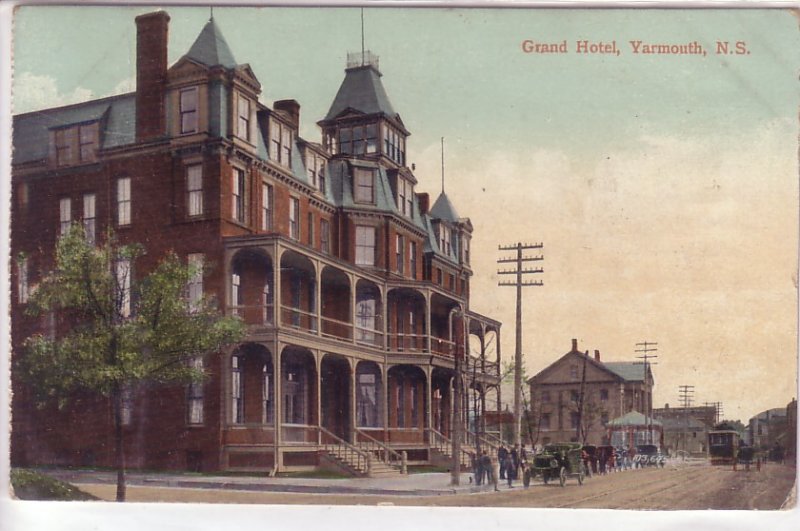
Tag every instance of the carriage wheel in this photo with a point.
(562, 476)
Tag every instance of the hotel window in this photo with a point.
(368, 399)
(465, 249)
(64, 139)
(365, 245)
(280, 146)
(400, 258)
(244, 118)
(414, 404)
(604, 395)
(573, 420)
(451, 282)
(445, 239)
(124, 201)
(574, 396)
(310, 228)
(87, 138)
(266, 206)
(22, 280)
(573, 371)
(195, 261)
(366, 314)
(364, 184)
(412, 259)
(315, 167)
(236, 284)
(545, 396)
(188, 110)
(195, 394)
(122, 278)
(194, 189)
(238, 195)
(405, 196)
(359, 139)
(237, 404)
(89, 217)
(545, 421)
(399, 402)
(439, 276)
(394, 144)
(266, 395)
(294, 218)
(64, 215)
(324, 236)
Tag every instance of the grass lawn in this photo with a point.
(29, 485)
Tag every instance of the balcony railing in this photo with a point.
(262, 314)
(298, 318)
(442, 346)
(407, 342)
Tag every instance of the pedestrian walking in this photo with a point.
(502, 455)
(477, 468)
(510, 474)
(515, 461)
(486, 466)
(495, 471)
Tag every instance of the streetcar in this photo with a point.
(723, 447)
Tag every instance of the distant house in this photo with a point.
(686, 428)
(767, 428)
(633, 429)
(575, 397)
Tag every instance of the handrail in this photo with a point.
(363, 461)
(445, 445)
(372, 442)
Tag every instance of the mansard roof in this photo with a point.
(443, 209)
(361, 92)
(117, 116)
(210, 48)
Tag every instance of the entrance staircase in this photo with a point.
(361, 460)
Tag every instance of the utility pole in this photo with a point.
(519, 283)
(459, 350)
(645, 348)
(685, 393)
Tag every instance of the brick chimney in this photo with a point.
(292, 108)
(574, 345)
(151, 75)
(424, 203)
(597, 356)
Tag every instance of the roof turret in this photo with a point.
(210, 48)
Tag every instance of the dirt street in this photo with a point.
(680, 487)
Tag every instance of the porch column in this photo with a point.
(352, 364)
(352, 307)
(318, 296)
(429, 397)
(318, 364)
(278, 417)
(385, 391)
(427, 321)
(385, 317)
(227, 272)
(276, 280)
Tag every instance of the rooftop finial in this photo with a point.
(442, 164)
(362, 36)
(211, 16)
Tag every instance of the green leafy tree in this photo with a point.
(122, 333)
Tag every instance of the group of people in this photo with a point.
(505, 465)
(608, 459)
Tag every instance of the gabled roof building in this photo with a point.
(355, 292)
(576, 397)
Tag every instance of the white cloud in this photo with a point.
(32, 92)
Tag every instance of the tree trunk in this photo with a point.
(119, 440)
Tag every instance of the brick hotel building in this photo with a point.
(355, 289)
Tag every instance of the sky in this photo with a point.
(664, 187)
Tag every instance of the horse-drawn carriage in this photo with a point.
(556, 463)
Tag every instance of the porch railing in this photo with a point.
(442, 346)
(369, 336)
(298, 318)
(387, 455)
(407, 342)
(261, 314)
(485, 441)
(336, 329)
(344, 451)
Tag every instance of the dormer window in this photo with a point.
(359, 139)
(280, 143)
(405, 196)
(75, 144)
(394, 144)
(63, 145)
(188, 110)
(364, 185)
(315, 167)
(445, 239)
(243, 124)
(465, 249)
(88, 142)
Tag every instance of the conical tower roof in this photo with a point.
(443, 209)
(210, 48)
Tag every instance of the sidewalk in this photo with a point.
(423, 484)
